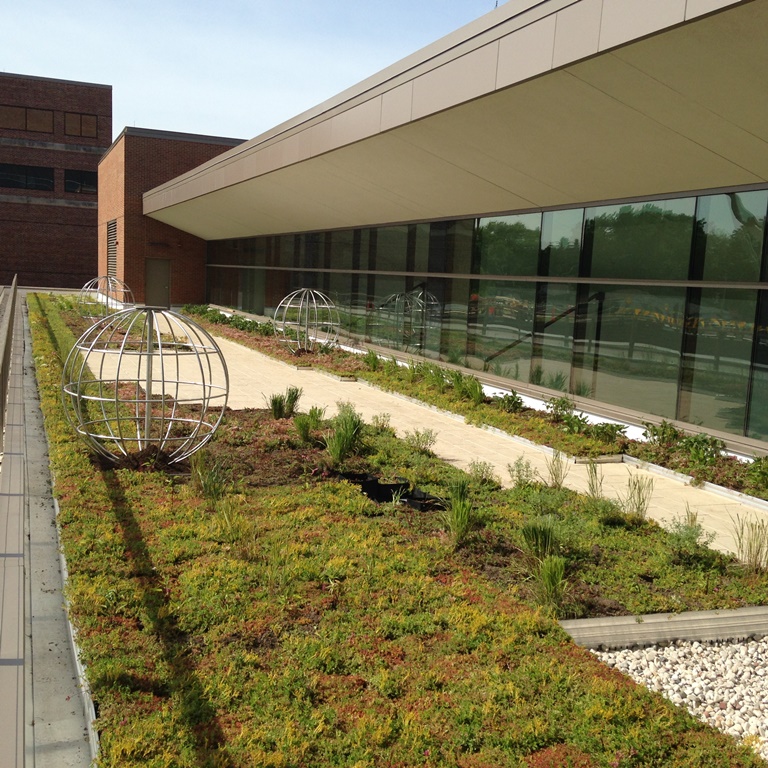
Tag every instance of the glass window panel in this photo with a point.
(731, 227)
(40, 120)
(720, 326)
(561, 233)
(500, 326)
(342, 248)
(508, 245)
(447, 299)
(388, 311)
(758, 410)
(252, 291)
(391, 249)
(223, 286)
(553, 340)
(89, 126)
(13, 176)
(629, 351)
(650, 240)
(83, 182)
(13, 118)
(26, 177)
(279, 284)
(419, 259)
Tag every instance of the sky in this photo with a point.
(232, 68)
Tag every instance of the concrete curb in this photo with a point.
(736, 496)
(614, 632)
(82, 679)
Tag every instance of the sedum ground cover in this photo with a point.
(254, 609)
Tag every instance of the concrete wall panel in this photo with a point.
(396, 106)
(625, 20)
(527, 52)
(460, 80)
(578, 32)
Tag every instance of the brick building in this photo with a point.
(52, 136)
(161, 264)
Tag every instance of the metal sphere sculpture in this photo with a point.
(404, 318)
(102, 297)
(145, 378)
(306, 320)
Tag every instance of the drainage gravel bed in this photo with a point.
(723, 683)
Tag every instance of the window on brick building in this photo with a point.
(26, 119)
(77, 124)
(26, 177)
(80, 181)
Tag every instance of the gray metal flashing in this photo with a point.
(197, 138)
(52, 80)
(614, 632)
(59, 730)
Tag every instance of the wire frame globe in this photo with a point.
(103, 296)
(306, 320)
(145, 378)
(405, 317)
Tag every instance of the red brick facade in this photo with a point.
(48, 237)
(138, 161)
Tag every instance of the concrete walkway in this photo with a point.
(253, 377)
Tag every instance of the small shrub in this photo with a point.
(303, 425)
(435, 376)
(606, 432)
(459, 516)
(456, 379)
(346, 436)
(637, 499)
(688, 540)
(421, 440)
(703, 450)
(664, 434)
(550, 585)
(541, 537)
(209, 477)
(283, 406)
(483, 473)
(594, 481)
(381, 424)
(521, 472)
(557, 468)
(559, 408)
(372, 360)
(751, 536)
(473, 390)
(510, 402)
(413, 371)
(316, 414)
(575, 423)
(610, 514)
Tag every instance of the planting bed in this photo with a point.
(256, 609)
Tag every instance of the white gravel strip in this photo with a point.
(724, 684)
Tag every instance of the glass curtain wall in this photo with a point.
(658, 306)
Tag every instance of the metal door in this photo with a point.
(157, 283)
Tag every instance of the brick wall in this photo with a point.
(49, 238)
(138, 161)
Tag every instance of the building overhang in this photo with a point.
(535, 105)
